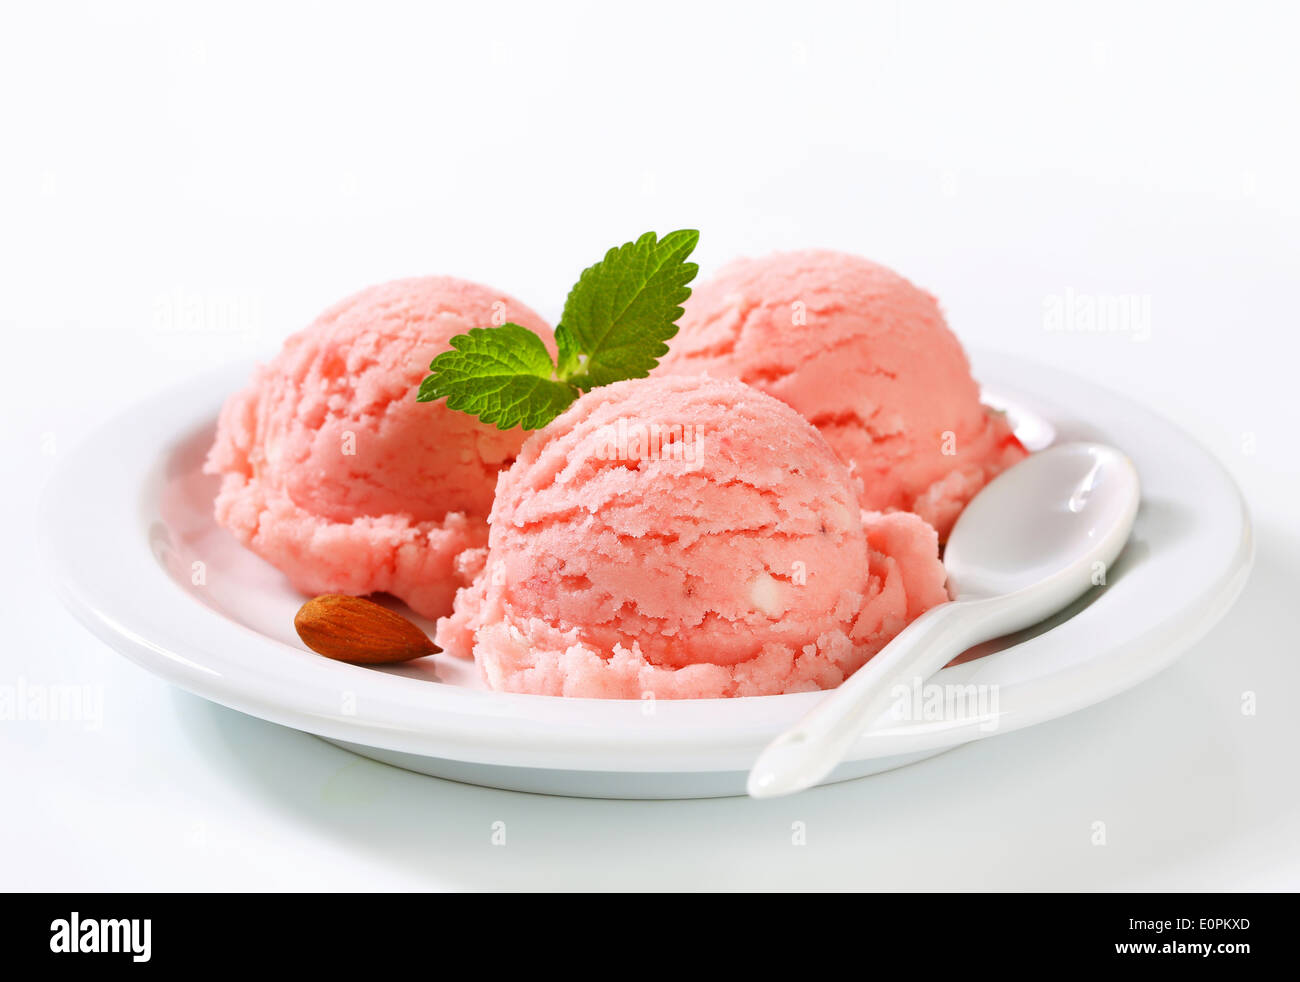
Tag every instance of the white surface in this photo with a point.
(182, 190)
(144, 565)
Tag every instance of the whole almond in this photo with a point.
(358, 630)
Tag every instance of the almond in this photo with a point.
(358, 630)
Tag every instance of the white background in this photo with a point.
(241, 168)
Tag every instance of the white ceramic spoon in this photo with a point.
(1035, 539)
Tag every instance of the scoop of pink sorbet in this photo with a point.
(687, 538)
(335, 474)
(868, 358)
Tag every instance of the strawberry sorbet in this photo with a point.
(334, 473)
(687, 538)
(868, 358)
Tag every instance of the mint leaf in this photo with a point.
(502, 375)
(616, 320)
(622, 310)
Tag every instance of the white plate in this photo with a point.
(128, 529)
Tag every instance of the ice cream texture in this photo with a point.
(685, 537)
(334, 473)
(868, 359)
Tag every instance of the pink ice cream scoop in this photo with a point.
(688, 538)
(868, 358)
(335, 474)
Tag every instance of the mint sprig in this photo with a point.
(616, 321)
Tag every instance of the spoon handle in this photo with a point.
(809, 750)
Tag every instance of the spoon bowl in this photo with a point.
(1054, 515)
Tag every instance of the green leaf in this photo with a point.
(622, 310)
(616, 320)
(502, 375)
